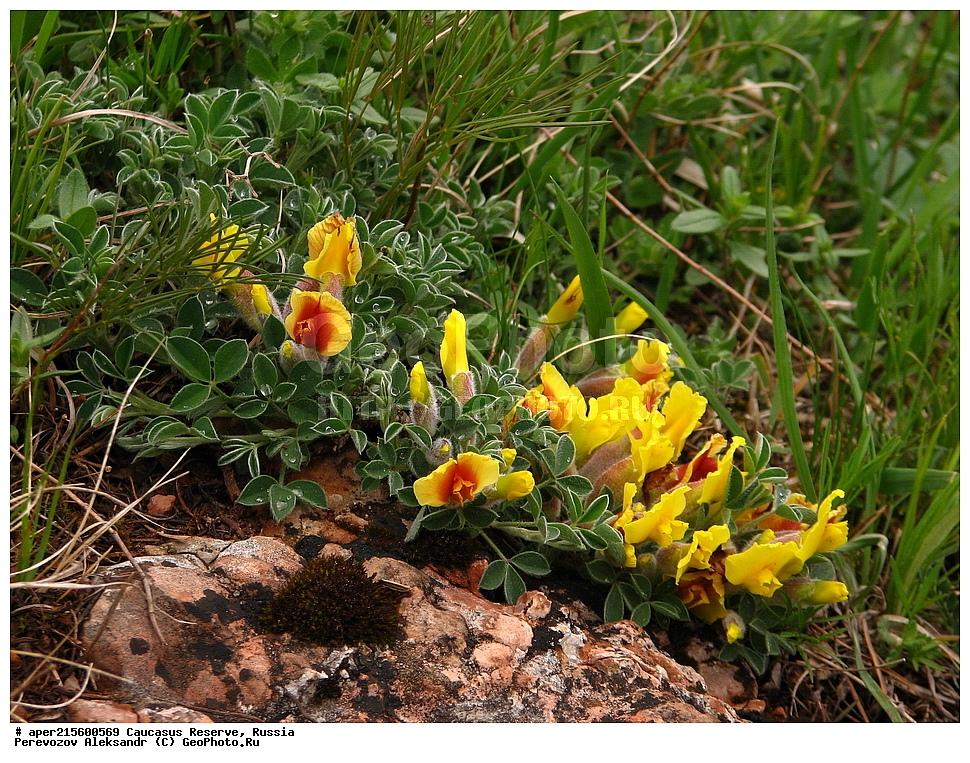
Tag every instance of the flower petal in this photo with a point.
(567, 305)
(435, 489)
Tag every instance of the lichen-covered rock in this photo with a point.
(102, 711)
(461, 657)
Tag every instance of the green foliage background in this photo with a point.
(670, 133)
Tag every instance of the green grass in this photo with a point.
(806, 163)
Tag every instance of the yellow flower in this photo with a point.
(760, 568)
(261, 299)
(454, 355)
(514, 485)
(334, 248)
(318, 320)
(733, 632)
(703, 593)
(608, 417)
(568, 304)
(835, 535)
(457, 480)
(222, 249)
(649, 361)
(715, 484)
(660, 523)
(698, 554)
(419, 387)
(508, 456)
(627, 514)
(682, 412)
(815, 536)
(649, 447)
(556, 396)
(630, 318)
(829, 592)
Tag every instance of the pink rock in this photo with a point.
(96, 711)
(541, 660)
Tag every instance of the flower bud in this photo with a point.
(508, 456)
(630, 318)
(734, 627)
(463, 386)
(534, 350)
(514, 485)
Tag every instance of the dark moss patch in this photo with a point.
(216, 604)
(253, 598)
(164, 673)
(214, 652)
(327, 688)
(333, 601)
(544, 639)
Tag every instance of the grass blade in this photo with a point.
(779, 332)
(596, 297)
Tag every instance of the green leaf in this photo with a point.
(594, 541)
(192, 316)
(596, 297)
(71, 237)
(256, 491)
(698, 221)
(259, 65)
(613, 606)
(264, 374)
(27, 287)
(595, 510)
(281, 501)
(672, 608)
(601, 571)
(614, 542)
(643, 585)
(72, 193)
(479, 517)
(230, 359)
(274, 332)
(565, 453)
(292, 454)
(85, 220)
(251, 409)
(342, 407)
(359, 438)
(899, 480)
(190, 358)
(532, 563)
(752, 257)
(494, 575)
(514, 586)
(439, 520)
(309, 492)
(641, 614)
(324, 81)
(190, 397)
(730, 184)
(577, 484)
